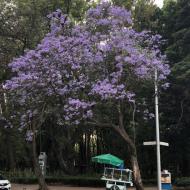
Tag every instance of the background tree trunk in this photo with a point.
(66, 167)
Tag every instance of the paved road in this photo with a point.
(35, 187)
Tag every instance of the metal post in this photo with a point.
(112, 173)
(157, 131)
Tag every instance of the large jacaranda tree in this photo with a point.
(79, 69)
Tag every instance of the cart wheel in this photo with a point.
(114, 187)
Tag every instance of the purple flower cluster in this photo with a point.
(148, 115)
(95, 60)
(29, 135)
(77, 110)
(108, 16)
(108, 90)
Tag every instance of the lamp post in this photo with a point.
(157, 131)
(157, 142)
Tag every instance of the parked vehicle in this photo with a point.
(4, 183)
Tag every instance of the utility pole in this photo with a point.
(157, 142)
(157, 131)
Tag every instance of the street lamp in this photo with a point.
(157, 142)
(157, 131)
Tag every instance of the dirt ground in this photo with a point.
(35, 187)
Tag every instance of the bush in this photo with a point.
(182, 182)
(24, 180)
(150, 181)
(66, 180)
(27, 173)
(76, 181)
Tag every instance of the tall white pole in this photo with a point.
(157, 131)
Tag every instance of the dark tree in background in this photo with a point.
(23, 23)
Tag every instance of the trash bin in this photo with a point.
(166, 180)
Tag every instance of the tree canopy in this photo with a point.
(77, 67)
(75, 75)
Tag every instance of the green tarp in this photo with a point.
(108, 159)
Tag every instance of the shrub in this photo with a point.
(182, 182)
(66, 180)
(24, 180)
(150, 181)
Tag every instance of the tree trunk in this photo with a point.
(37, 170)
(131, 146)
(120, 129)
(133, 158)
(136, 173)
(67, 168)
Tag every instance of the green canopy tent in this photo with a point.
(108, 159)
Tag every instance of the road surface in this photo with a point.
(62, 187)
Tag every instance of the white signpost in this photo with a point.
(149, 143)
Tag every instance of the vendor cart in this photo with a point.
(117, 179)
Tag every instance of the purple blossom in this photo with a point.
(107, 90)
(76, 110)
(151, 115)
(29, 135)
(148, 115)
(165, 85)
(76, 66)
(130, 96)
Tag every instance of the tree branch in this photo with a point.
(101, 125)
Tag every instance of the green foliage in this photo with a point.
(177, 29)
(182, 70)
(23, 180)
(175, 102)
(128, 4)
(182, 182)
(18, 173)
(77, 181)
(80, 181)
(149, 181)
(145, 15)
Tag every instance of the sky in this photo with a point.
(159, 3)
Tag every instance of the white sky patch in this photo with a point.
(159, 3)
